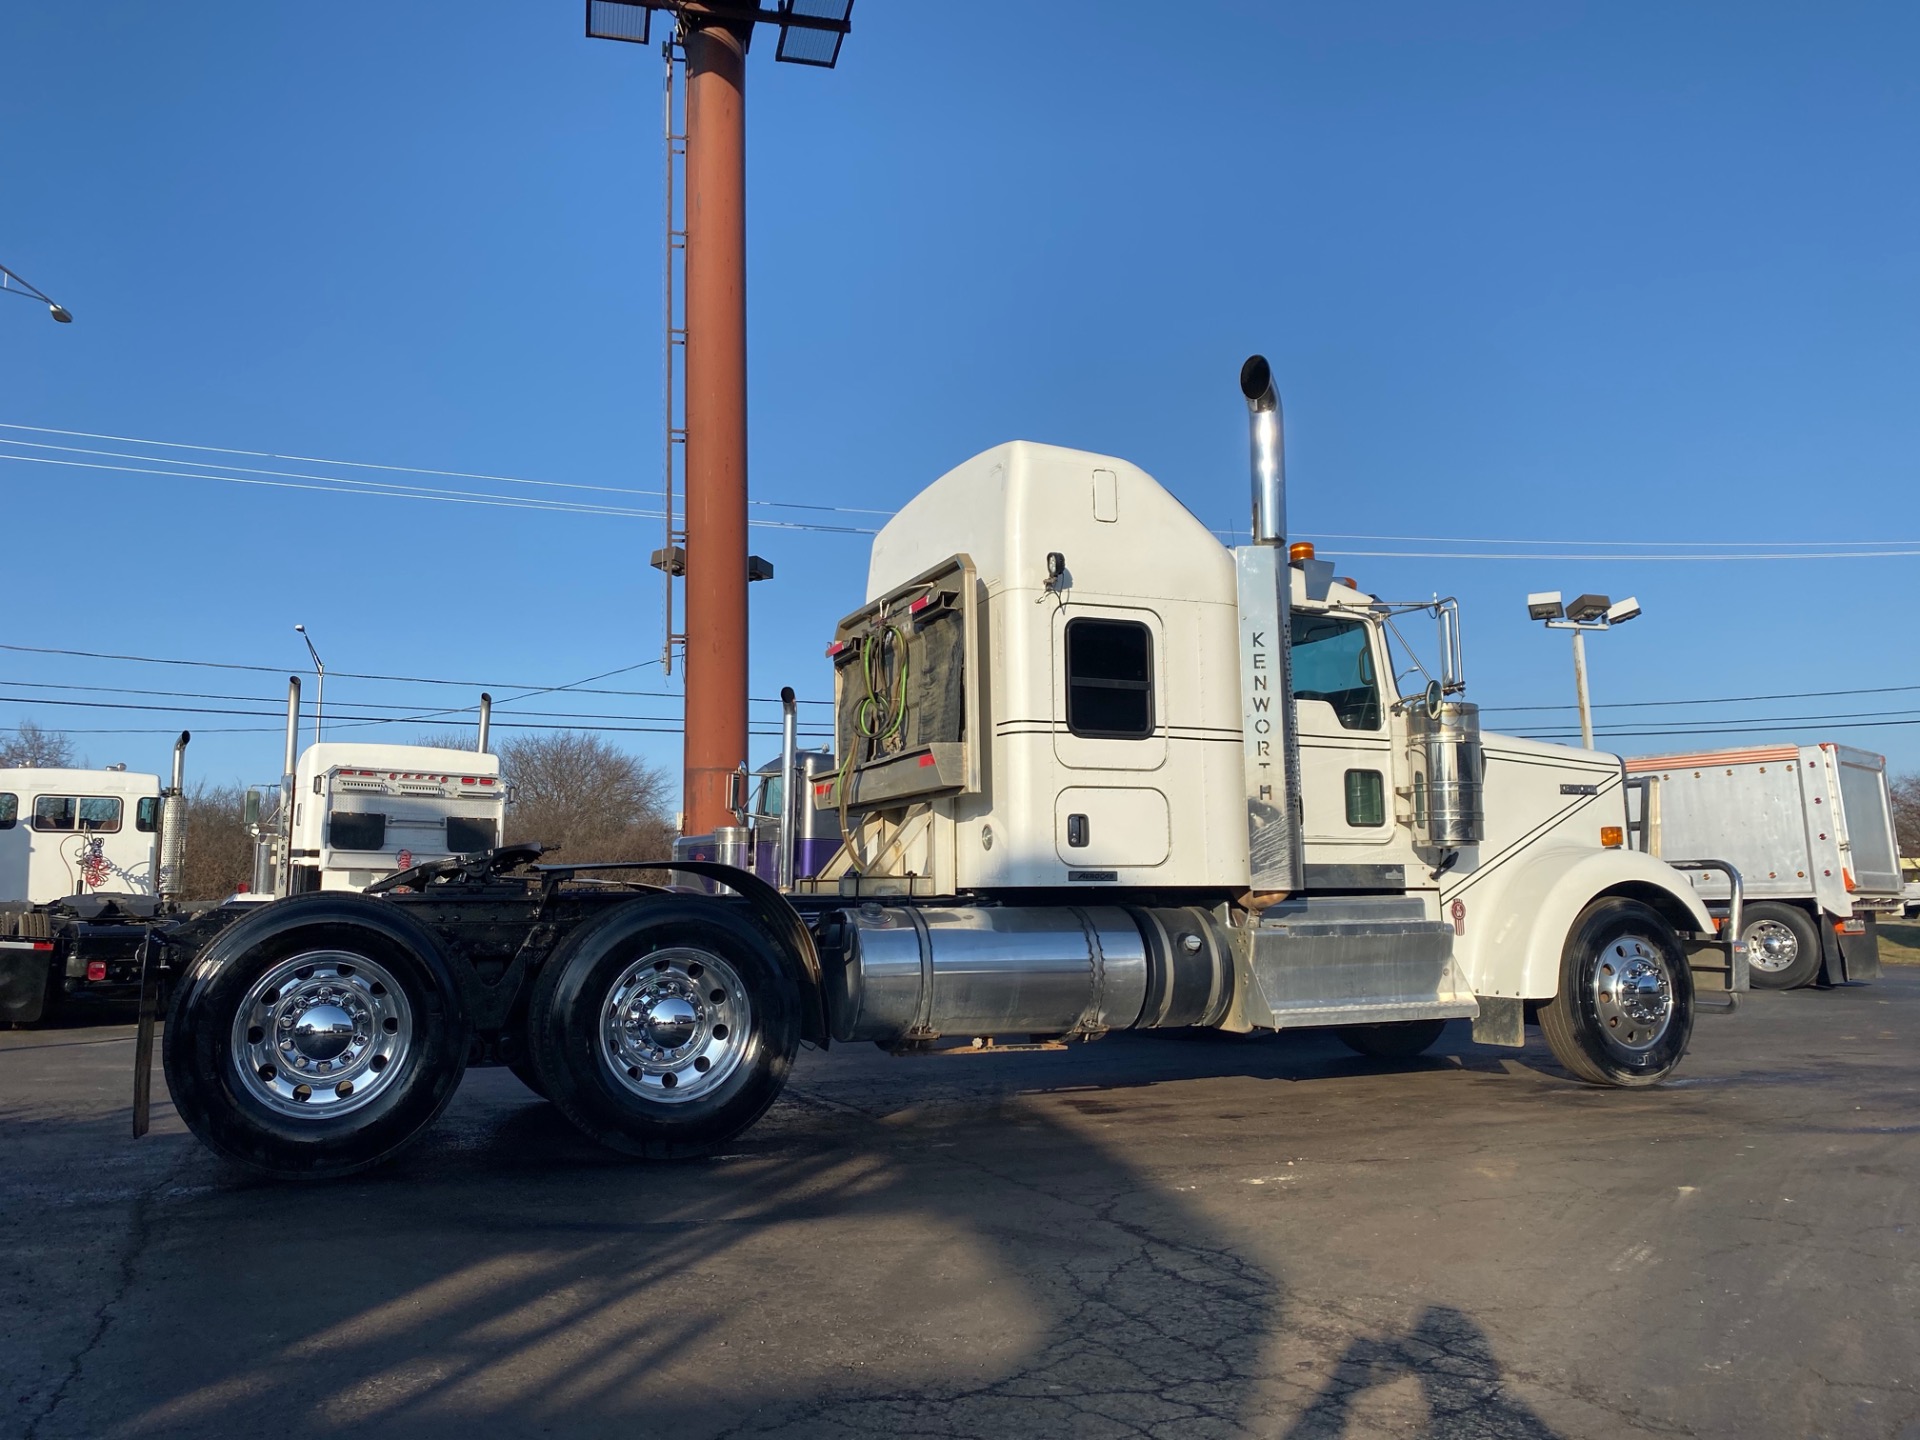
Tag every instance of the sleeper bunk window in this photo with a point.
(146, 815)
(353, 830)
(9, 811)
(468, 836)
(1109, 679)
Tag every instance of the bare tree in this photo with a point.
(1906, 812)
(31, 748)
(584, 795)
(219, 858)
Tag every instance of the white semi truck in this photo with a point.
(1810, 828)
(1095, 772)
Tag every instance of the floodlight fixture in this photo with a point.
(1585, 608)
(629, 20)
(1545, 606)
(1623, 611)
(12, 284)
(811, 31)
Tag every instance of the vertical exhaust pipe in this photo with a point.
(486, 723)
(173, 826)
(1276, 858)
(1269, 452)
(283, 862)
(293, 728)
(789, 792)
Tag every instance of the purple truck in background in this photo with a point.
(756, 847)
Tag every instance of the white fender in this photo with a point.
(1532, 902)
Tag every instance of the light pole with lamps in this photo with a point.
(1583, 613)
(12, 284)
(320, 689)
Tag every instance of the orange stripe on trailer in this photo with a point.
(1753, 755)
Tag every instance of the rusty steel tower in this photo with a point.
(711, 39)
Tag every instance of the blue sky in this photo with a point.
(1606, 274)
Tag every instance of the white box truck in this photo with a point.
(1810, 828)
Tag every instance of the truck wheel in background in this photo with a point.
(1392, 1042)
(1624, 1012)
(316, 1037)
(664, 1028)
(1783, 947)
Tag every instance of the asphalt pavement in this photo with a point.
(1170, 1236)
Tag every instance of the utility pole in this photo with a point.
(715, 35)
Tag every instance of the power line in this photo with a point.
(1652, 544)
(360, 465)
(1704, 700)
(1739, 727)
(1621, 559)
(362, 675)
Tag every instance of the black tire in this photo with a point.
(1608, 1035)
(1402, 1041)
(384, 967)
(1783, 945)
(736, 1052)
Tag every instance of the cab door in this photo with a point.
(1110, 738)
(1346, 742)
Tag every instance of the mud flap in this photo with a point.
(150, 963)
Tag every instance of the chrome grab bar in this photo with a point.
(1730, 935)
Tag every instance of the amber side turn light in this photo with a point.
(1612, 836)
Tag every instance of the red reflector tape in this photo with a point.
(822, 789)
(917, 606)
(925, 761)
(835, 648)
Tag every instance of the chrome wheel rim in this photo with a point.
(1771, 946)
(675, 1025)
(1633, 993)
(322, 1034)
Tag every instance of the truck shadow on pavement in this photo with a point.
(965, 1263)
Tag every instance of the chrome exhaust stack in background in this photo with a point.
(486, 723)
(1276, 862)
(173, 825)
(283, 864)
(789, 798)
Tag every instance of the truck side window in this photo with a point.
(1109, 679)
(1333, 661)
(146, 815)
(53, 812)
(99, 812)
(9, 810)
(353, 830)
(466, 836)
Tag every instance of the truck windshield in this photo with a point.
(1333, 661)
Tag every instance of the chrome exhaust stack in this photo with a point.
(486, 723)
(789, 799)
(1269, 452)
(173, 825)
(1275, 855)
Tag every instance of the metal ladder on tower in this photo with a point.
(671, 558)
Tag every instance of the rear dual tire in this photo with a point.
(664, 1028)
(317, 1037)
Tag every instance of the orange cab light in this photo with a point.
(1612, 836)
(1300, 550)
(1347, 580)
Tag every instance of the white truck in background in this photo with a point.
(350, 812)
(1810, 828)
(91, 860)
(1097, 772)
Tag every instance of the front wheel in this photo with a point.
(316, 1037)
(1624, 1013)
(665, 1028)
(1783, 948)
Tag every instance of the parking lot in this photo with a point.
(1156, 1235)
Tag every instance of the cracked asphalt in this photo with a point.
(1167, 1236)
